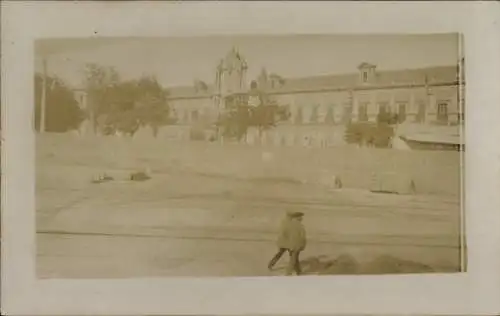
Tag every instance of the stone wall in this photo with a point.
(434, 172)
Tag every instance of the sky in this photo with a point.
(179, 61)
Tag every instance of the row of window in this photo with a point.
(362, 115)
(384, 108)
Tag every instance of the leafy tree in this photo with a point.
(387, 118)
(354, 134)
(62, 112)
(369, 134)
(267, 115)
(382, 135)
(100, 83)
(235, 122)
(126, 122)
(240, 117)
(151, 103)
(125, 106)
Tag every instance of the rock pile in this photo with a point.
(101, 178)
(140, 176)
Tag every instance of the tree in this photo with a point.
(234, 123)
(267, 115)
(125, 106)
(151, 103)
(370, 134)
(387, 117)
(100, 81)
(354, 134)
(240, 117)
(62, 111)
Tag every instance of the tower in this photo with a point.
(230, 76)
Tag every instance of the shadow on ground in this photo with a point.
(347, 264)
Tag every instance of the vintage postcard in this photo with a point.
(238, 166)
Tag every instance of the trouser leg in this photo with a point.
(276, 257)
(298, 268)
(293, 263)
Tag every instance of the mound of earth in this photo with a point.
(343, 264)
(386, 264)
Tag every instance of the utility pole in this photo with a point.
(44, 96)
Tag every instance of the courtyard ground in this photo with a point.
(190, 220)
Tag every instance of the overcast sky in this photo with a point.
(178, 61)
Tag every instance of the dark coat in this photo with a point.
(283, 236)
(296, 236)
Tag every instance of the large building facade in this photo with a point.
(423, 96)
(320, 106)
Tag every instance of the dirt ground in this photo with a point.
(186, 223)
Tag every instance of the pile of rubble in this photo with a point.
(134, 176)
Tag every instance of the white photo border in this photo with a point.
(474, 292)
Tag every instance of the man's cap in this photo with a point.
(297, 214)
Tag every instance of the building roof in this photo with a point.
(419, 76)
(434, 139)
(364, 65)
(431, 75)
(431, 134)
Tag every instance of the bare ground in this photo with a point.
(184, 222)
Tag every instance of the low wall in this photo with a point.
(282, 135)
(434, 172)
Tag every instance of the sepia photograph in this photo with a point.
(249, 158)
(229, 156)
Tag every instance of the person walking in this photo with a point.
(283, 240)
(297, 242)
